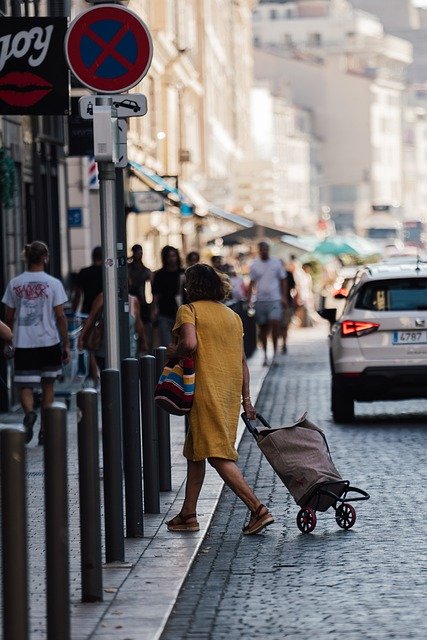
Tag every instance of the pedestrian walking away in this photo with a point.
(88, 284)
(34, 303)
(168, 293)
(268, 280)
(288, 310)
(139, 281)
(213, 333)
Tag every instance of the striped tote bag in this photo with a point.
(174, 391)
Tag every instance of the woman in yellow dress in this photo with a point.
(213, 334)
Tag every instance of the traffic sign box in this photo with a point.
(127, 104)
(108, 48)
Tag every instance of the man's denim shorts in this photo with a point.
(265, 311)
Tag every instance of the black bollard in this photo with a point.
(163, 431)
(132, 448)
(112, 456)
(56, 500)
(150, 452)
(89, 494)
(14, 535)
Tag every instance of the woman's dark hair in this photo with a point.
(35, 252)
(203, 282)
(164, 255)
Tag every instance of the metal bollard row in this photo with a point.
(132, 448)
(136, 396)
(56, 517)
(14, 535)
(149, 435)
(112, 457)
(89, 496)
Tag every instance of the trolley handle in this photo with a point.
(363, 495)
(253, 430)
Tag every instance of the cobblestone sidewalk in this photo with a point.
(366, 583)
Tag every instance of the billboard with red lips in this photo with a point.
(33, 70)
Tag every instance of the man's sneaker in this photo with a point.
(29, 421)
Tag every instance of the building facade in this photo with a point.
(339, 63)
(197, 125)
(276, 185)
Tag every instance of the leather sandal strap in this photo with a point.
(185, 518)
(257, 513)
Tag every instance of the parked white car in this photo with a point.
(378, 348)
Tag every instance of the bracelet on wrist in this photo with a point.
(246, 398)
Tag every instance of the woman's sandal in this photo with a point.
(180, 523)
(258, 521)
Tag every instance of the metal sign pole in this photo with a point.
(102, 119)
(107, 190)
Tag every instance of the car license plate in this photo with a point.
(409, 337)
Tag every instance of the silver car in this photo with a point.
(378, 348)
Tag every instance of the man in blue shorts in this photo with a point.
(268, 280)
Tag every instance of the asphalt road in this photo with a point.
(368, 582)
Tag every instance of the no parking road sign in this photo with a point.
(108, 48)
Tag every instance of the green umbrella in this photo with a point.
(346, 245)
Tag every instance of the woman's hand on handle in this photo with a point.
(249, 409)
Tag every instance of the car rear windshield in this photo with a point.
(394, 295)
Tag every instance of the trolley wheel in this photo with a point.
(345, 515)
(306, 520)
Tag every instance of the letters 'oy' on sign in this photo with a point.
(108, 48)
(33, 69)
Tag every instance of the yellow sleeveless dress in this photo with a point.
(219, 373)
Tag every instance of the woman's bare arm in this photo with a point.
(246, 394)
(5, 332)
(187, 342)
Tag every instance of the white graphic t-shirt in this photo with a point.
(267, 275)
(33, 295)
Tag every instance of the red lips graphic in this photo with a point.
(23, 89)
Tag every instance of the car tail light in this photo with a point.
(340, 293)
(355, 328)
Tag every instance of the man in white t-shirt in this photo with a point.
(268, 279)
(34, 304)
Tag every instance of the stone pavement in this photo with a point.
(138, 596)
(368, 583)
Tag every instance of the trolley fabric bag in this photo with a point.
(300, 456)
(174, 391)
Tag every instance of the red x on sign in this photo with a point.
(108, 48)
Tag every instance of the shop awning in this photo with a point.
(231, 217)
(254, 233)
(157, 183)
(188, 197)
